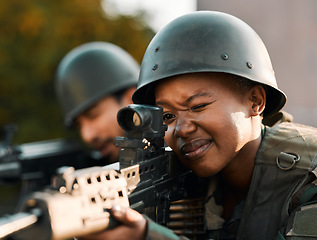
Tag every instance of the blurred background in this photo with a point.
(35, 35)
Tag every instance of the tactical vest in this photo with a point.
(286, 157)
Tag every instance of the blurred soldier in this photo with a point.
(212, 75)
(94, 81)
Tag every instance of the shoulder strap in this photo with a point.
(277, 118)
(302, 223)
(290, 145)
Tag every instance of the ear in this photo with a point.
(258, 100)
(127, 97)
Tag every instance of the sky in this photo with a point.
(161, 12)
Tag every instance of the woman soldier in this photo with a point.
(212, 75)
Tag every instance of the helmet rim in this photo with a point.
(90, 72)
(208, 41)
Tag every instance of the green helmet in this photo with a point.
(90, 72)
(208, 41)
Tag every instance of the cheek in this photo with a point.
(242, 128)
(107, 122)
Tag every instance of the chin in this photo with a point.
(204, 172)
(108, 159)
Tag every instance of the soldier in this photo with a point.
(94, 81)
(212, 75)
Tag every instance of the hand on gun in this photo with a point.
(132, 226)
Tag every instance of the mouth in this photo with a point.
(196, 149)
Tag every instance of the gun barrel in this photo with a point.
(16, 222)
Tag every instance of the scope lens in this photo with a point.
(136, 119)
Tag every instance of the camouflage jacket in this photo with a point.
(283, 182)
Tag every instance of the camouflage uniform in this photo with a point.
(284, 177)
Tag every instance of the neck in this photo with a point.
(238, 174)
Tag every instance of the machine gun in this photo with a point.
(31, 166)
(78, 201)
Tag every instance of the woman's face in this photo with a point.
(208, 119)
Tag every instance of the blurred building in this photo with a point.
(289, 30)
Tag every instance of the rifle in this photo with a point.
(31, 166)
(78, 201)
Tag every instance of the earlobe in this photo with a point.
(258, 99)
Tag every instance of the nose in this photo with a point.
(184, 126)
(88, 132)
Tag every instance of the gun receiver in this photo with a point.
(162, 178)
(77, 203)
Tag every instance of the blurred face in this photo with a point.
(98, 126)
(209, 121)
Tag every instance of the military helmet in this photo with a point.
(208, 41)
(90, 72)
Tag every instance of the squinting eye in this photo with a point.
(199, 107)
(168, 117)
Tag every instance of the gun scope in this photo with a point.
(136, 117)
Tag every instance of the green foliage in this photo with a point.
(35, 35)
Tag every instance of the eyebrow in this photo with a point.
(199, 94)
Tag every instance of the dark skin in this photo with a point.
(208, 119)
(133, 226)
(214, 128)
